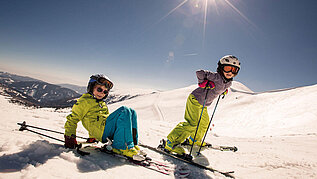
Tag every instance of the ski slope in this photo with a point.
(275, 131)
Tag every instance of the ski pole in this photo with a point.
(208, 125)
(24, 128)
(191, 149)
(23, 125)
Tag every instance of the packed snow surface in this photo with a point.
(275, 132)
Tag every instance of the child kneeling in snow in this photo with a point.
(217, 84)
(91, 109)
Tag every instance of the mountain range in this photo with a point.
(33, 92)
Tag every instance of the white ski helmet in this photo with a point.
(101, 80)
(229, 60)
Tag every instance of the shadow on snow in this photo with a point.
(194, 171)
(39, 152)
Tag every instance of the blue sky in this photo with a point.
(160, 43)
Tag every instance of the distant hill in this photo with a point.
(13, 77)
(33, 92)
(77, 89)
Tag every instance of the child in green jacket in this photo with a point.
(91, 109)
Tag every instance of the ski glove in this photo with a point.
(207, 84)
(70, 142)
(225, 92)
(91, 140)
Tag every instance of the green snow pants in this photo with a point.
(185, 129)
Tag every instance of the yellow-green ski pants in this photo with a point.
(185, 129)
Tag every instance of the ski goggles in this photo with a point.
(105, 82)
(101, 90)
(232, 69)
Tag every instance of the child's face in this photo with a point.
(99, 91)
(230, 71)
(229, 75)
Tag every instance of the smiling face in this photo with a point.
(228, 75)
(100, 91)
(229, 71)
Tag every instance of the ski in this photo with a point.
(146, 163)
(215, 147)
(160, 149)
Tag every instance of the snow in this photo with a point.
(275, 132)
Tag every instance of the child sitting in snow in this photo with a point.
(218, 83)
(91, 109)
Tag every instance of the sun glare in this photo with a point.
(170, 12)
(240, 13)
(203, 8)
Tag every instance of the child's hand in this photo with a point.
(70, 142)
(225, 93)
(207, 84)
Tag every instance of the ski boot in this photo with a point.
(197, 143)
(174, 148)
(131, 153)
(140, 152)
